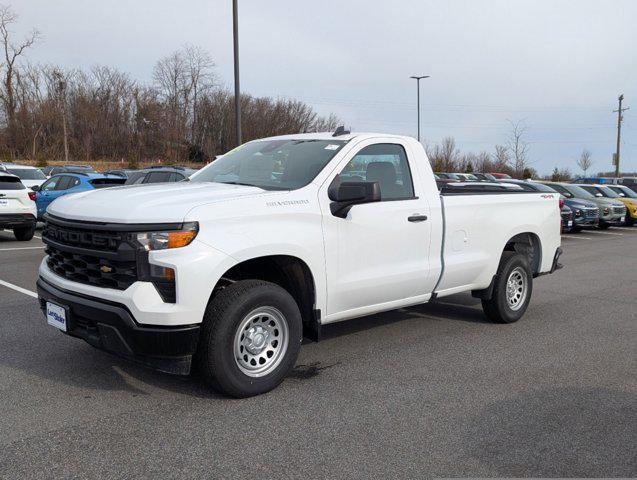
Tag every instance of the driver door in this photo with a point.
(379, 253)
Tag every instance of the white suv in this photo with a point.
(29, 176)
(17, 207)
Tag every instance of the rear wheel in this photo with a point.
(24, 234)
(512, 289)
(250, 340)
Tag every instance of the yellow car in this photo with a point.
(629, 198)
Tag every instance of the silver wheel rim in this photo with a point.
(261, 341)
(516, 288)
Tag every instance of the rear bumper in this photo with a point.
(13, 220)
(111, 327)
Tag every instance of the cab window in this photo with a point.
(385, 163)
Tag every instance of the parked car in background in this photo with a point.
(611, 212)
(499, 175)
(629, 198)
(159, 175)
(608, 192)
(630, 182)
(467, 177)
(66, 183)
(567, 216)
(124, 172)
(485, 177)
(596, 180)
(71, 168)
(29, 176)
(449, 176)
(17, 207)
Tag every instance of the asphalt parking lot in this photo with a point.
(428, 391)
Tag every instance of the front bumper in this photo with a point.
(16, 220)
(111, 327)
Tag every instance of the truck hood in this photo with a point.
(158, 203)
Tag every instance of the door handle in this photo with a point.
(417, 218)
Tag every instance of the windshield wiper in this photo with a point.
(262, 187)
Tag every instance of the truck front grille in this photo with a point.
(619, 210)
(92, 270)
(591, 213)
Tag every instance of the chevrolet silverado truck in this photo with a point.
(228, 271)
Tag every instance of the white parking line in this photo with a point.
(605, 233)
(576, 237)
(19, 289)
(20, 248)
(628, 229)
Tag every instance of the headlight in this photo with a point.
(606, 210)
(578, 212)
(169, 239)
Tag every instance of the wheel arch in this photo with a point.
(528, 244)
(289, 272)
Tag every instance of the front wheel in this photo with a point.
(24, 234)
(512, 290)
(603, 226)
(250, 339)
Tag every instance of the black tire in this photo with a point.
(603, 226)
(497, 308)
(630, 221)
(24, 234)
(576, 229)
(227, 309)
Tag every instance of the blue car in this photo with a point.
(65, 183)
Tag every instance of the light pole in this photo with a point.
(237, 89)
(418, 79)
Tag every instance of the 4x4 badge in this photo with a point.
(105, 269)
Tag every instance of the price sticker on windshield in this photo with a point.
(331, 146)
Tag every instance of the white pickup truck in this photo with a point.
(229, 270)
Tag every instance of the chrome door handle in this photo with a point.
(417, 218)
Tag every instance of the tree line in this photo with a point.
(51, 113)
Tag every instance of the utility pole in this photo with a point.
(418, 79)
(620, 118)
(237, 89)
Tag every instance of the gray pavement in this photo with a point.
(428, 391)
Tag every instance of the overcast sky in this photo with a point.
(559, 65)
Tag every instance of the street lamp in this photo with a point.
(237, 89)
(418, 79)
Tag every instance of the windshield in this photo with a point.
(626, 192)
(607, 192)
(600, 192)
(271, 164)
(578, 192)
(28, 173)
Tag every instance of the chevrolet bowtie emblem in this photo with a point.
(105, 269)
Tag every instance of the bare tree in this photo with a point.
(8, 66)
(585, 161)
(501, 158)
(518, 146)
(60, 90)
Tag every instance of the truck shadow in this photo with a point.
(461, 308)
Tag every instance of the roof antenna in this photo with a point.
(340, 131)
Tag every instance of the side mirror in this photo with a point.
(344, 195)
(35, 188)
